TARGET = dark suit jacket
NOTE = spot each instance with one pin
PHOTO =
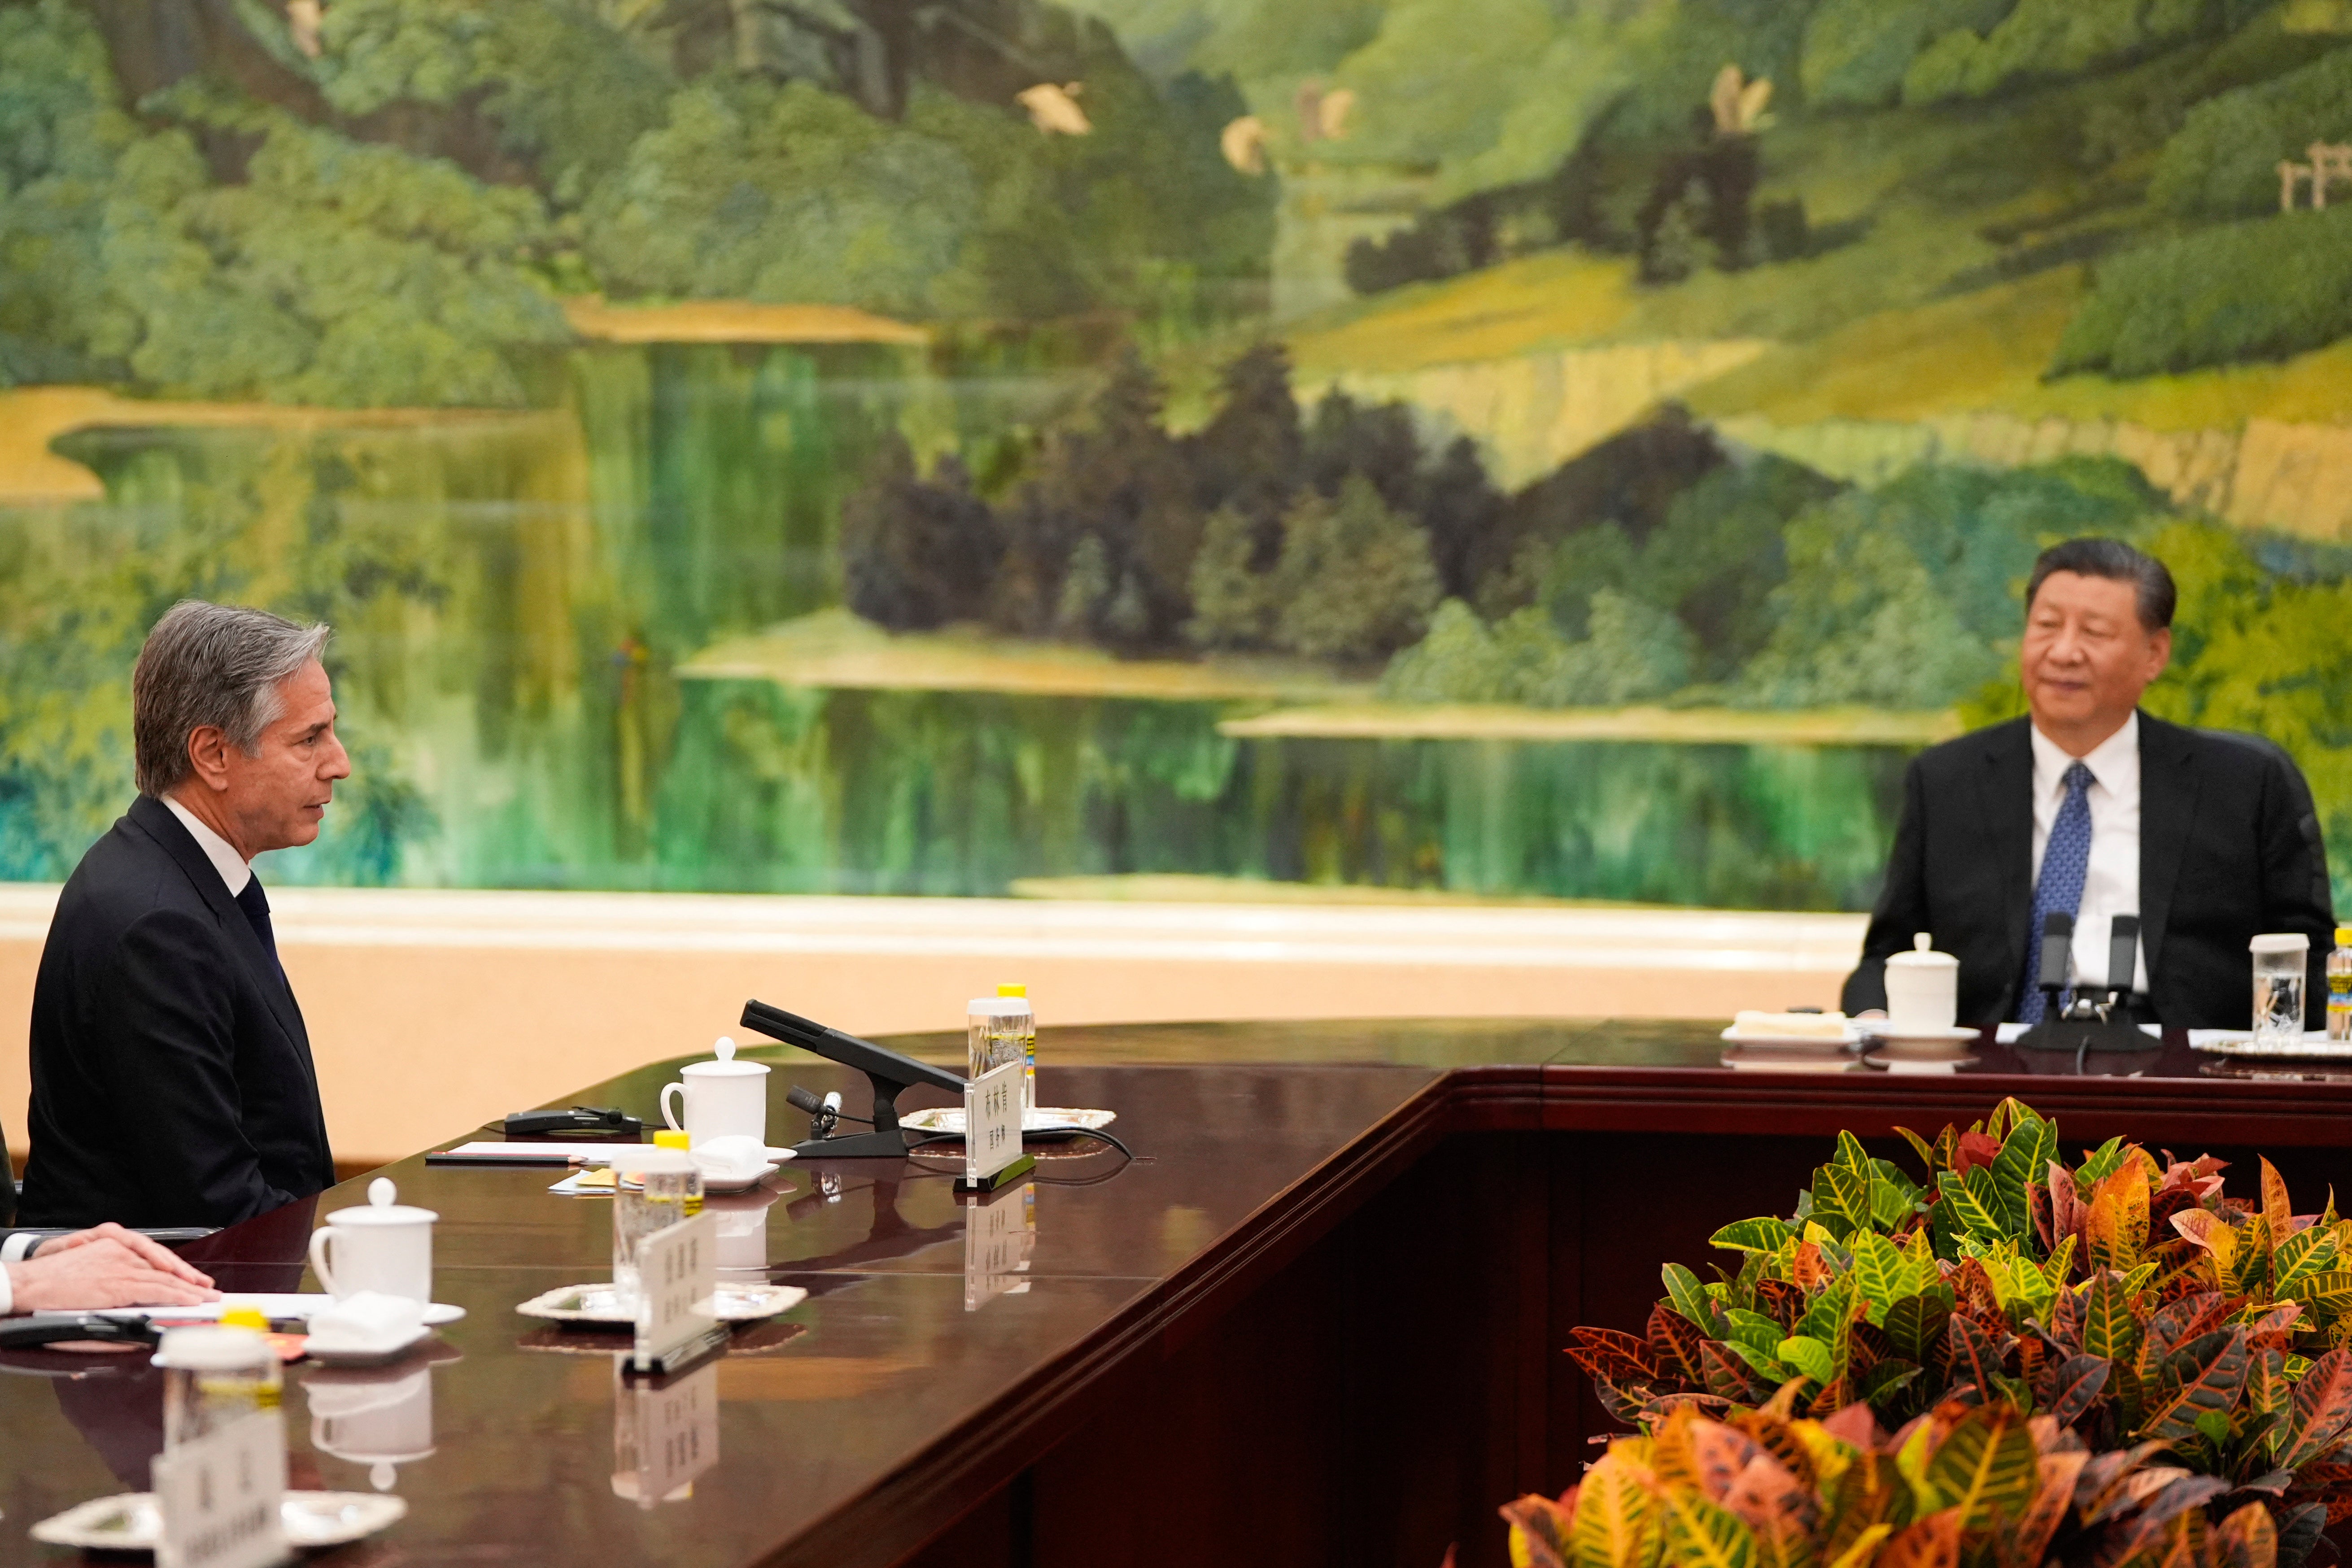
(172, 1076)
(2229, 847)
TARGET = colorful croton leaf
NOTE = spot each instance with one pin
(2125, 1303)
(1985, 1485)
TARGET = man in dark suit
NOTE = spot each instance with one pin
(2091, 807)
(171, 1074)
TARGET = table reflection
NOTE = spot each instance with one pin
(665, 1432)
(380, 1416)
(999, 1237)
(743, 1232)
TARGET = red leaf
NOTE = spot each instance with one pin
(1674, 1344)
(2319, 1411)
(1612, 1354)
(2075, 1384)
(1975, 1149)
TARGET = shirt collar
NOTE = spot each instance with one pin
(233, 869)
(2111, 762)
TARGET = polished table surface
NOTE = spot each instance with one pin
(913, 1382)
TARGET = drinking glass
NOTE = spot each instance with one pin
(2281, 967)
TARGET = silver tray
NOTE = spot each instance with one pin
(2315, 1046)
(597, 1305)
(132, 1522)
(1038, 1122)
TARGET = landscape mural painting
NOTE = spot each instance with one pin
(1549, 449)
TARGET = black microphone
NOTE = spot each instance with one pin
(2057, 968)
(801, 1099)
(2123, 954)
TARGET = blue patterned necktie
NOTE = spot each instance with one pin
(2066, 861)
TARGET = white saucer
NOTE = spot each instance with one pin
(132, 1522)
(739, 1184)
(441, 1313)
(333, 1353)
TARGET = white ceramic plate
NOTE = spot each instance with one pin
(597, 1304)
(330, 1353)
(1733, 1036)
(131, 1522)
(738, 1184)
(1043, 1120)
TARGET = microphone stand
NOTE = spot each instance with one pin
(2087, 1023)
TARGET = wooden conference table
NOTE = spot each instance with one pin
(1317, 1321)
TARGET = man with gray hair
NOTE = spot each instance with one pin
(172, 1076)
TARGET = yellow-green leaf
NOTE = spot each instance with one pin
(1808, 1356)
(1986, 1467)
(1701, 1535)
(1616, 1519)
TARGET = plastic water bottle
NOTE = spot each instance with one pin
(670, 1192)
(2339, 986)
(212, 1376)
(1015, 1017)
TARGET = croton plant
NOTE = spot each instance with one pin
(2013, 1361)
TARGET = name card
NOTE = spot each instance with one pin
(677, 1284)
(992, 1121)
(220, 1497)
(664, 1434)
(999, 1237)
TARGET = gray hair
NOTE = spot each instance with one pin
(216, 664)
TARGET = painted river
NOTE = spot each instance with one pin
(513, 594)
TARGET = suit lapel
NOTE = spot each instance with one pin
(154, 819)
(2008, 805)
(2168, 804)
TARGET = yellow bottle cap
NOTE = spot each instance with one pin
(671, 1138)
(2344, 937)
(1012, 990)
(244, 1316)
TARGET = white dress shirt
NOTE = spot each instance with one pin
(12, 1251)
(2111, 884)
(237, 871)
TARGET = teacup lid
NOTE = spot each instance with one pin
(1923, 955)
(2280, 942)
(725, 1066)
(382, 1208)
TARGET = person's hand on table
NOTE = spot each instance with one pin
(105, 1267)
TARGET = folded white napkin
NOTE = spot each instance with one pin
(734, 1158)
(368, 1320)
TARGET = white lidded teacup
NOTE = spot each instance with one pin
(723, 1098)
(382, 1246)
(1922, 989)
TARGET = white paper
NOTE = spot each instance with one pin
(991, 1118)
(677, 1277)
(601, 1154)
